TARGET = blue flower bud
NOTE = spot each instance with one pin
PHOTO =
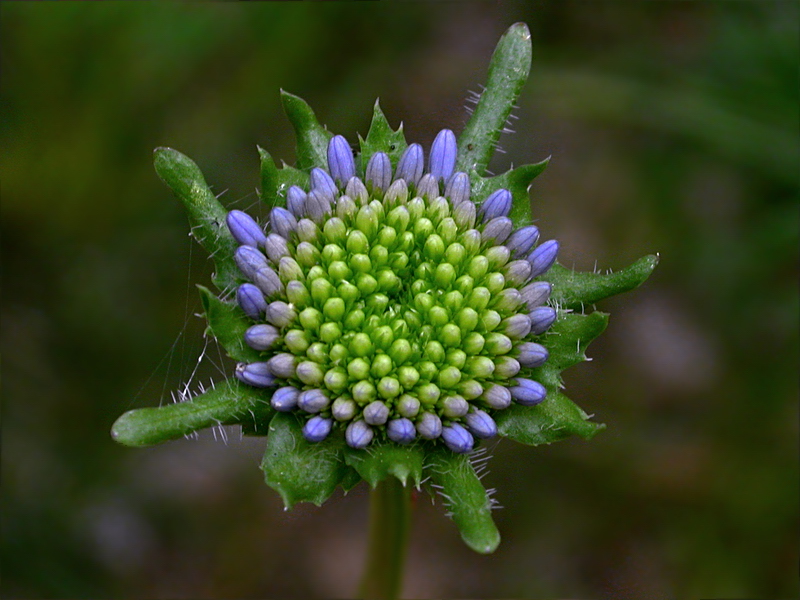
(543, 258)
(497, 230)
(497, 396)
(528, 392)
(317, 429)
(442, 159)
(280, 314)
(261, 337)
(397, 193)
(498, 204)
(532, 354)
(428, 187)
(249, 260)
(255, 374)
(376, 413)
(457, 438)
(410, 165)
(251, 300)
(401, 431)
(536, 293)
(429, 426)
(313, 401)
(522, 240)
(267, 280)
(282, 221)
(285, 399)
(296, 201)
(323, 184)
(276, 247)
(379, 171)
(358, 435)
(282, 365)
(340, 160)
(458, 188)
(464, 214)
(244, 229)
(481, 424)
(541, 319)
(317, 205)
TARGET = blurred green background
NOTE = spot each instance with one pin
(673, 128)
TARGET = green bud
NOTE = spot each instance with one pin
(490, 319)
(348, 292)
(423, 302)
(479, 298)
(438, 209)
(423, 229)
(361, 345)
(471, 239)
(378, 303)
(454, 407)
(379, 256)
(389, 387)
(416, 208)
(307, 230)
(419, 286)
(434, 351)
(448, 230)
(408, 406)
(363, 392)
(480, 367)
(310, 373)
(405, 242)
(316, 272)
(356, 190)
(456, 358)
(455, 254)
(445, 275)
(408, 377)
(470, 389)
(336, 380)
(289, 270)
(400, 351)
(399, 327)
(383, 337)
(438, 316)
(424, 272)
(498, 256)
(495, 282)
(474, 343)
(381, 366)
(311, 319)
(478, 267)
(361, 263)
(357, 242)
(335, 231)
(338, 353)
(317, 352)
(339, 271)
(358, 369)
(388, 281)
(307, 254)
(506, 367)
(367, 221)
(453, 301)
(366, 284)
(332, 252)
(434, 248)
(428, 394)
(321, 290)
(296, 340)
(427, 370)
(330, 332)
(354, 320)
(508, 300)
(398, 218)
(387, 237)
(497, 343)
(467, 319)
(450, 335)
(413, 319)
(343, 409)
(465, 284)
(448, 377)
(297, 293)
(397, 193)
(345, 208)
(378, 210)
(398, 260)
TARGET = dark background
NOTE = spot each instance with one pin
(673, 128)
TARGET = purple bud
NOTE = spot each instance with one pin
(517, 326)
(285, 399)
(464, 214)
(536, 294)
(244, 229)
(249, 260)
(282, 365)
(379, 171)
(267, 281)
(355, 190)
(255, 374)
(317, 428)
(532, 355)
(541, 319)
(251, 300)
(429, 426)
(282, 221)
(358, 435)
(376, 413)
(410, 165)
(261, 336)
(323, 184)
(543, 257)
(401, 431)
(317, 205)
(313, 401)
(497, 396)
(497, 230)
(280, 314)
(296, 201)
(481, 424)
(498, 204)
(522, 240)
(340, 160)
(518, 271)
(276, 247)
(528, 392)
(457, 438)
(428, 188)
(442, 160)
(458, 188)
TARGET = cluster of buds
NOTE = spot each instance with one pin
(391, 305)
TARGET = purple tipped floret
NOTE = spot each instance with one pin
(296, 201)
(285, 399)
(497, 230)
(379, 171)
(528, 392)
(517, 326)
(276, 247)
(429, 426)
(536, 293)
(244, 229)
(481, 424)
(251, 300)
(317, 428)
(318, 204)
(458, 188)
(497, 396)
(543, 257)
(255, 374)
(282, 221)
(340, 160)
(401, 431)
(498, 204)
(532, 355)
(358, 435)
(249, 259)
(410, 165)
(376, 413)
(457, 438)
(280, 314)
(267, 280)
(542, 318)
(323, 184)
(522, 240)
(261, 337)
(282, 365)
(313, 401)
(442, 160)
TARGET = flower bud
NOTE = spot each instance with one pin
(317, 429)
(255, 374)
(429, 426)
(448, 377)
(296, 341)
(297, 294)
(276, 247)
(379, 171)
(397, 193)
(532, 355)
(282, 365)
(454, 407)
(497, 344)
(335, 231)
(457, 438)
(261, 337)
(251, 301)
(343, 409)
(282, 221)
(480, 367)
(280, 314)
(536, 293)
(358, 369)
(310, 373)
(285, 399)
(312, 401)
(522, 240)
(296, 201)
(336, 380)
(367, 221)
(517, 272)
(363, 392)
(470, 389)
(428, 188)
(506, 367)
(249, 260)
(481, 424)
(516, 326)
(497, 397)
(289, 270)
(401, 431)
(346, 206)
(307, 230)
(508, 300)
(474, 343)
(442, 159)
(498, 204)
(318, 205)
(376, 413)
(465, 214)
(471, 239)
(381, 365)
(541, 319)
(458, 188)
(341, 164)
(497, 230)
(408, 376)
(323, 185)
(543, 257)
(489, 321)
(410, 165)
(528, 392)
(428, 393)
(268, 281)
(310, 319)
(244, 229)
(408, 406)
(358, 435)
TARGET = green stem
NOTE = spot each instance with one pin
(390, 508)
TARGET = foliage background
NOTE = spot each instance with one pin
(673, 127)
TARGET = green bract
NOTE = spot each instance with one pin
(386, 304)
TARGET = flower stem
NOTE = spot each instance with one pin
(390, 508)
